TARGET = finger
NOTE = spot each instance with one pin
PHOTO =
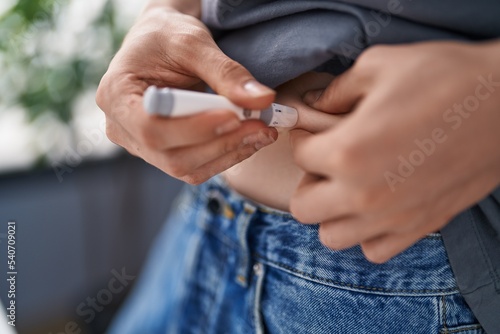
(308, 81)
(362, 226)
(219, 165)
(383, 248)
(191, 130)
(312, 96)
(166, 133)
(188, 159)
(121, 137)
(312, 153)
(341, 95)
(231, 79)
(318, 199)
(312, 120)
(349, 231)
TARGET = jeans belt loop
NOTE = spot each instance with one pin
(243, 223)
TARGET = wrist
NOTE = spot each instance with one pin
(189, 7)
(161, 16)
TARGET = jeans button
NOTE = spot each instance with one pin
(257, 269)
(214, 205)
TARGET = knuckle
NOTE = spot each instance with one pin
(176, 168)
(371, 57)
(373, 52)
(188, 37)
(101, 93)
(373, 255)
(330, 93)
(326, 238)
(333, 237)
(181, 40)
(195, 179)
(244, 154)
(229, 146)
(228, 67)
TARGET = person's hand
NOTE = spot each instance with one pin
(420, 146)
(168, 48)
(270, 176)
(309, 119)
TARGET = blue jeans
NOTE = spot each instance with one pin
(224, 264)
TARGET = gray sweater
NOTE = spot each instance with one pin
(279, 40)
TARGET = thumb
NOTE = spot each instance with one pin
(230, 79)
(341, 96)
(312, 96)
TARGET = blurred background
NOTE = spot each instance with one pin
(85, 211)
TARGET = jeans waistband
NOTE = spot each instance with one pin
(275, 238)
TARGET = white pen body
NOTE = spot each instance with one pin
(171, 102)
(190, 103)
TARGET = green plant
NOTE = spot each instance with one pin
(47, 78)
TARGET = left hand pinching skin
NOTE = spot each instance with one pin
(420, 145)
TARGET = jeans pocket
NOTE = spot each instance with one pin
(294, 304)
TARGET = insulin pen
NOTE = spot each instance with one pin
(170, 102)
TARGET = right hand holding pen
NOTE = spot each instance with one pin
(170, 49)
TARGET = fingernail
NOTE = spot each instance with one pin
(227, 127)
(257, 89)
(259, 140)
(312, 96)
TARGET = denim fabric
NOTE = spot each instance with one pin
(224, 264)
